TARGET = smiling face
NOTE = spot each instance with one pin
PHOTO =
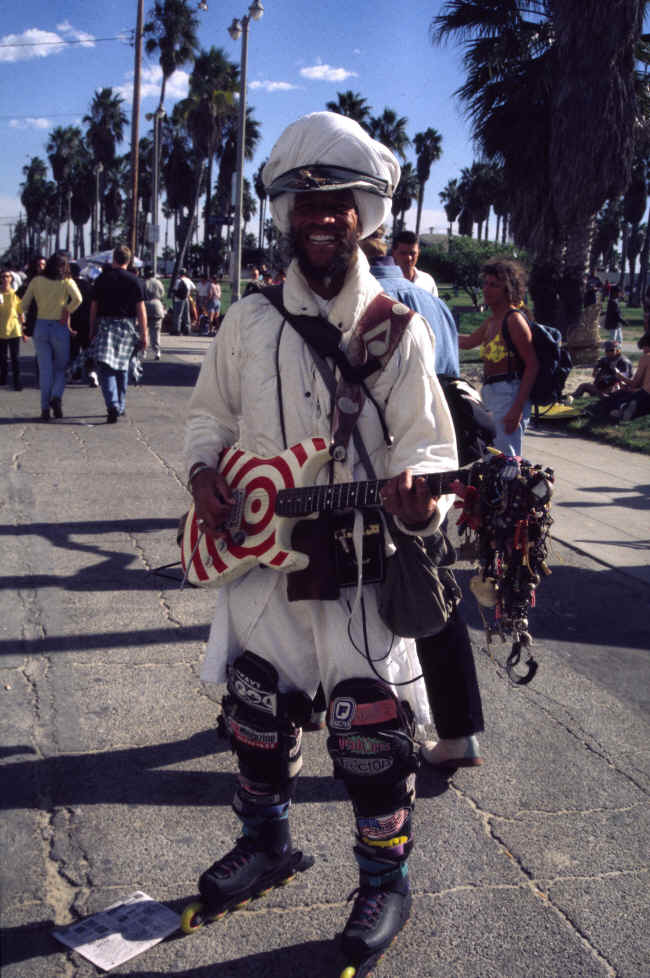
(325, 229)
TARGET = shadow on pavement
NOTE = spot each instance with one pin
(132, 776)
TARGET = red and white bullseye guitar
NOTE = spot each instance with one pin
(271, 496)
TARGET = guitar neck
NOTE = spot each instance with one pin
(304, 500)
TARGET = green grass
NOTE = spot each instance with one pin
(633, 435)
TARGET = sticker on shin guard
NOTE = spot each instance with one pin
(265, 738)
(371, 734)
(379, 827)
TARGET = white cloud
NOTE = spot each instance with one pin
(177, 86)
(273, 86)
(326, 73)
(35, 43)
(86, 40)
(30, 123)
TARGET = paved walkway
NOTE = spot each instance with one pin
(533, 866)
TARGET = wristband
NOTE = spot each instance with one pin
(194, 470)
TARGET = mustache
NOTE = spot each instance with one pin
(348, 243)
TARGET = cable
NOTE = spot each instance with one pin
(82, 40)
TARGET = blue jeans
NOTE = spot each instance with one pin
(113, 384)
(52, 342)
(498, 399)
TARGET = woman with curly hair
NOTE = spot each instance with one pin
(508, 371)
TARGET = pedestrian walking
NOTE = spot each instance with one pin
(57, 296)
(118, 329)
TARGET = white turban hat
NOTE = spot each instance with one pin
(328, 151)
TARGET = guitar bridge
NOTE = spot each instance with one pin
(234, 521)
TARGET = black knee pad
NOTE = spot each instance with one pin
(371, 745)
(264, 725)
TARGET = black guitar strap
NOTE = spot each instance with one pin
(323, 340)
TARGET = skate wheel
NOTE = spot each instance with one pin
(349, 972)
(192, 918)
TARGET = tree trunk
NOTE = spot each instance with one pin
(419, 211)
(574, 275)
(208, 209)
(643, 263)
(180, 252)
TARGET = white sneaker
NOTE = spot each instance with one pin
(93, 379)
(449, 754)
(157, 355)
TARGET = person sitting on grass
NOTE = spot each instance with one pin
(606, 373)
(633, 401)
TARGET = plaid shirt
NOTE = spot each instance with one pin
(115, 342)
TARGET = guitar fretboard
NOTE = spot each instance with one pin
(348, 495)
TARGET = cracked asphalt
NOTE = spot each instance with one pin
(533, 866)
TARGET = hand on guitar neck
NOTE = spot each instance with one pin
(409, 499)
(213, 501)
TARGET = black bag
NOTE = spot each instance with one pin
(418, 594)
(181, 291)
(554, 361)
(473, 423)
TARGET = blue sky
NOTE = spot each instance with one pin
(300, 55)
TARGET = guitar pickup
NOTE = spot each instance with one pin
(234, 521)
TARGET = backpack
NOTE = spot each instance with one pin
(181, 291)
(473, 423)
(554, 361)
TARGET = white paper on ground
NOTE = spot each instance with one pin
(122, 931)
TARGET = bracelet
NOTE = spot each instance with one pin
(194, 471)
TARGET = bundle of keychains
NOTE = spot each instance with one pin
(504, 524)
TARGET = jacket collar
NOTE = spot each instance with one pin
(359, 289)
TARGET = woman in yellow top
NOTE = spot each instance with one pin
(56, 295)
(10, 331)
(508, 376)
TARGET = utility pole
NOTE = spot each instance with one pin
(135, 128)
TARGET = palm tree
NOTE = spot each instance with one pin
(210, 103)
(390, 130)
(260, 190)
(452, 201)
(542, 61)
(228, 156)
(476, 192)
(105, 130)
(405, 193)
(352, 105)
(64, 149)
(588, 165)
(36, 195)
(213, 73)
(171, 31)
(428, 146)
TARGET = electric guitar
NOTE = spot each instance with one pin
(271, 495)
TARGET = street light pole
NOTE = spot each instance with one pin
(157, 119)
(135, 129)
(240, 28)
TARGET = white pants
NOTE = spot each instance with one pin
(310, 642)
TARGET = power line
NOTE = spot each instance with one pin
(82, 40)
